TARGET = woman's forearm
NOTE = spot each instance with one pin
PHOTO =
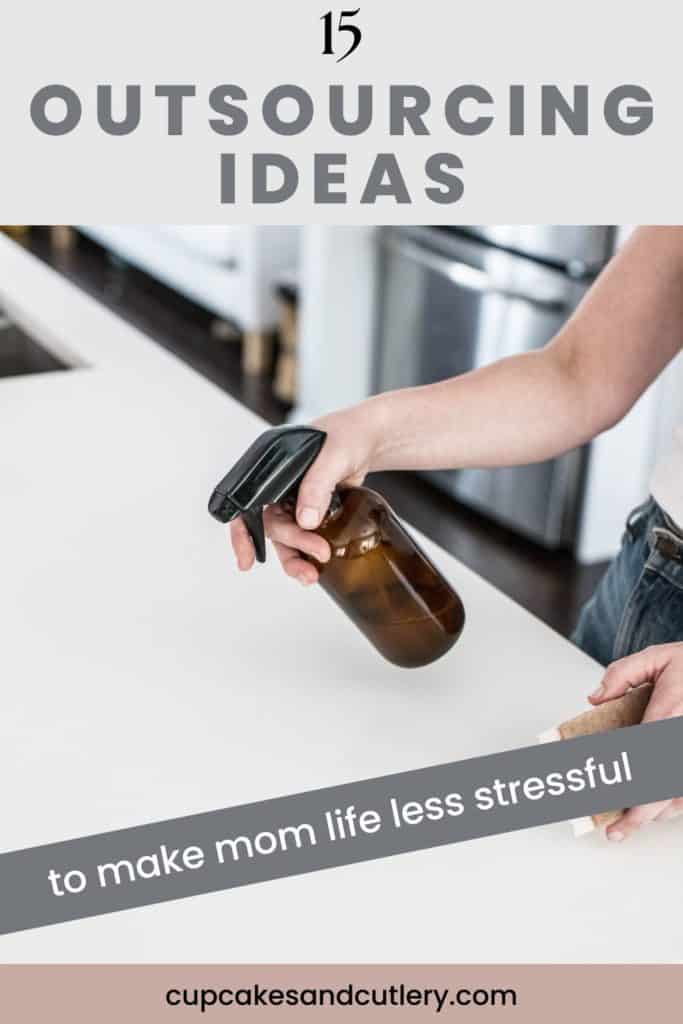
(534, 406)
(521, 409)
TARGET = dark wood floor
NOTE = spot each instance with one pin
(552, 585)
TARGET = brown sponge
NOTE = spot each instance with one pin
(615, 714)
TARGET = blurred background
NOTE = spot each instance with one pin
(294, 322)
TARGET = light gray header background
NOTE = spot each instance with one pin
(147, 176)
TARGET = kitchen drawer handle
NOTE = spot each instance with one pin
(470, 277)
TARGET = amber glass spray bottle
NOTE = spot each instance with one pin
(377, 573)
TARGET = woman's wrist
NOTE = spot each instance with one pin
(384, 420)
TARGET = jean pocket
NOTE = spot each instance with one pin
(666, 553)
(654, 612)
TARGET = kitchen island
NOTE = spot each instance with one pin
(144, 678)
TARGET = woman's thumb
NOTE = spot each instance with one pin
(315, 490)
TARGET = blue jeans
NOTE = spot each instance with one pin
(639, 601)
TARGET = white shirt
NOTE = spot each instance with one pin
(667, 480)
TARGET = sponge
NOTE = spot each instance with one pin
(615, 714)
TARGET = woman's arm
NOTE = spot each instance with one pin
(522, 409)
(534, 406)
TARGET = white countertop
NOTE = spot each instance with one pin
(143, 679)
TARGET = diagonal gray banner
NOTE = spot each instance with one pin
(339, 825)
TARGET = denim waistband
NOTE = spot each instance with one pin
(662, 533)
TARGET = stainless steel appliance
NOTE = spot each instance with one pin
(450, 302)
(580, 250)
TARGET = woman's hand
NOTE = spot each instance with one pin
(663, 666)
(353, 436)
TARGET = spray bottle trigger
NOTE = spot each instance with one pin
(253, 520)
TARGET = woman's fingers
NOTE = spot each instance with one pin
(674, 809)
(315, 490)
(634, 819)
(296, 566)
(631, 671)
(290, 542)
(666, 700)
(284, 531)
(242, 545)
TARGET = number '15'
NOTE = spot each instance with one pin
(355, 32)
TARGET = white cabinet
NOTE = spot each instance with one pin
(229, 270)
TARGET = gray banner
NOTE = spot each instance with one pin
(310, 831)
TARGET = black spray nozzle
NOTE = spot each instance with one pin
(270, 470)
